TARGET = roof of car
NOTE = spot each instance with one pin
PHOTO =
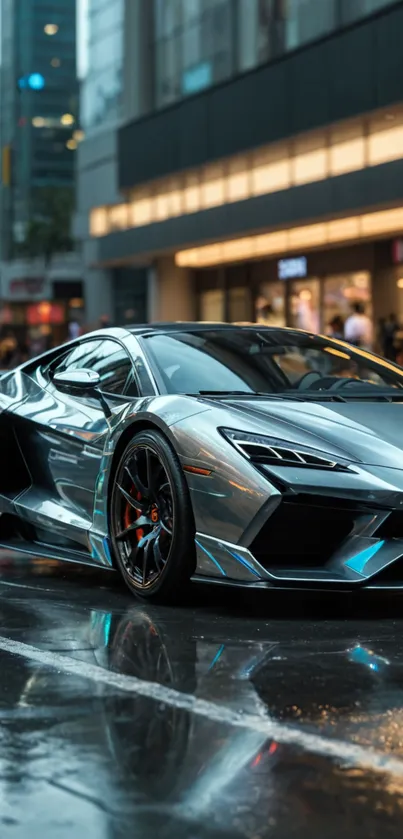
(185, 326)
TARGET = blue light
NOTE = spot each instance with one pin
(36, 81)
(244, 562)
(217, 656)
(210, 556)
(358, 562)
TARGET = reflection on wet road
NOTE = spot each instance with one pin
(234, 717)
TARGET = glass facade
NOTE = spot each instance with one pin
(39, 111)
(194, 46)
(199, 43)
(103, 83)
(252, 292)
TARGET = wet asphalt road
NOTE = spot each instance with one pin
(234, 717)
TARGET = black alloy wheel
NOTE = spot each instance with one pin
(152, 525)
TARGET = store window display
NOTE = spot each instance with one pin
(342, 292)
(270, 307)
(305, 305)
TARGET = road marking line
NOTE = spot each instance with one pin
(339, 750)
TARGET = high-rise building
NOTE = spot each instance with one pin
(107, 92)
(40, 132)
(256, 160)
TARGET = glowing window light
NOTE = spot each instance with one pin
(317, 235)
(340, 230)
(162, 207)
(119, 217)
(238, 186)
(309, 167)
(212, 189)
(348, 156)
(191, 193)
(311, 235)
(141, 212)
(386, 221)
(271, 177)
(99, 221)
(385, 145)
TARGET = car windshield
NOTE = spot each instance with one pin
(268, 361)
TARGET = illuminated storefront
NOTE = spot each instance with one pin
(303, 291)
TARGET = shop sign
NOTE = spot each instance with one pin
(39, 314)
(397, 252)
(292, 269)
(26, 288)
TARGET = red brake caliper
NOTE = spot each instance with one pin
(129, 514)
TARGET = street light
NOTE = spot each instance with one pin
(51, 29)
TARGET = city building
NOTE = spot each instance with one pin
(257, 167)
(39, 132)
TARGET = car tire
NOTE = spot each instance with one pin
(151, 520)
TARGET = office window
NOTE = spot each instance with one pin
(306, 20)
(354, 9)
(102, 86)
(193, 46)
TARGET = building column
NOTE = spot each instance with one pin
(138, 70)
(171, 292)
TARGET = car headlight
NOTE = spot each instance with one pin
(271, 451)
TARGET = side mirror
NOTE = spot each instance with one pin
(77, 382)
(82, 383)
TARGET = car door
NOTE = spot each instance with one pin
(65, 438)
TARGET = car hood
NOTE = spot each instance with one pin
(370, 432)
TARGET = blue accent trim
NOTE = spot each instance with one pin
(210, 556)
(107, 628)
(358, 562)
(245, 563)
(217, 656)
(107, 551)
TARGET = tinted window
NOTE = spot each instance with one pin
(267, 361)
(105, 357)
(82, 356)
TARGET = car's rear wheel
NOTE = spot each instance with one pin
(151, 520)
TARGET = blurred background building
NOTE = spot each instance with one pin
(243, 159)
(41, 283)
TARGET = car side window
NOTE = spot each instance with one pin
(105, 357)
(114, 367)
(81, 356)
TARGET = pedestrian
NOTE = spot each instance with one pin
(390, 330)
(358, 328)
(336, 328)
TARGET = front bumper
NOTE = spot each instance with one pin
(344, 537)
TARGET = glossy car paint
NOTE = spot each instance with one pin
(71, 448)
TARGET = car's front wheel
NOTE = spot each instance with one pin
(151, 519)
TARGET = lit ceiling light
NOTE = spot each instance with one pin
(55, 62)
(71, 144)
(400, 283)
(79, 135)
(67, 119)
(38, 122)
(51, 29)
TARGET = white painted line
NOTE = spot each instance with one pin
(23, 585)
(338, 750)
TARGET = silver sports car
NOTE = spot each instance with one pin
(241, 455)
